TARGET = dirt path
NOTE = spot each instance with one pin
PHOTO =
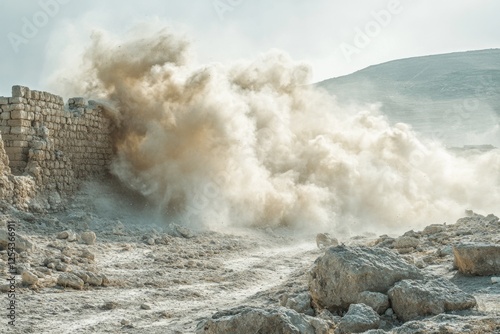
(181, 284)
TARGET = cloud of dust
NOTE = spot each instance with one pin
(252, 144)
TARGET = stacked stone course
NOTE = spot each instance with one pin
(58, 145)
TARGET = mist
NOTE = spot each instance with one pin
(252, 144)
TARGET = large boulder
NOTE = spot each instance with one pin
(243, 320)
(477, 258)
(415, 299)
(339, 276)
(358, 319)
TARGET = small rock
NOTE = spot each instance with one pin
(145, 307)
(67, 235)
(72, 236)
(89, 277)
(125, 323)
(150, 241)
(61, 267)
(495, 280)
(376, 300)
(406, 242)
(389, 312)
(63, 235)
(29, 278)
(300, 303)
(184, 231)
(324, 240)
(434, 229)
(445, 251)
(88, 237)
(109, 306)
(327, 315)
(71, 280)
(119, 228)
(359, 318)
(87, 255)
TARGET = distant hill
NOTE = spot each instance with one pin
(454, 97)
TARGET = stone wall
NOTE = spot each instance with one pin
(57, 145)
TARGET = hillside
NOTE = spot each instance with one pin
(453, 97)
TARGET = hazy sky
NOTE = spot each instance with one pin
(335, 37)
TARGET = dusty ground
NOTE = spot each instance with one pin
(165, 279)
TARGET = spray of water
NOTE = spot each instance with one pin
(252, 144)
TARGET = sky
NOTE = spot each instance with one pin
(335, 37)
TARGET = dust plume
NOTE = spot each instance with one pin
(252, 144)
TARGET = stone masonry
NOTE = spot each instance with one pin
(57, 145)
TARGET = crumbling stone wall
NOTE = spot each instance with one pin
(57, 145)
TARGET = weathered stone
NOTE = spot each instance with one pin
(20, 91)
(246, 320)
(145, 306)
(434, 229)
(406, 242)
(343, 273)
(449, 323)
(110, 306)
(379, 302)
(87, 255)
(477, 258)
(70, 280)
(63, 235)
(88, 237)
(29, 278)
(412, 299)
(300, 303)
(359, 318)
(21, 243)
(324, 240)
(89, 277)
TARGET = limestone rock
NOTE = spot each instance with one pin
(300, 303)
(412, 299)
(145, 306)
(88, 237)
(449, 323)
(68, 235)
(406, 242)
(358, 319)
(246, 320)
(71, 280)
(477, 258)
(343, 273)
(324, 240)
(29, 278)
(89, 277)
(379, 302)
(21, 244)
(434, 229)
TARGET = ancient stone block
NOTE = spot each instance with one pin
(19, 122)
(20, 91)
(19, 114)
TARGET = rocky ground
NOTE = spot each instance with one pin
(95, 267)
